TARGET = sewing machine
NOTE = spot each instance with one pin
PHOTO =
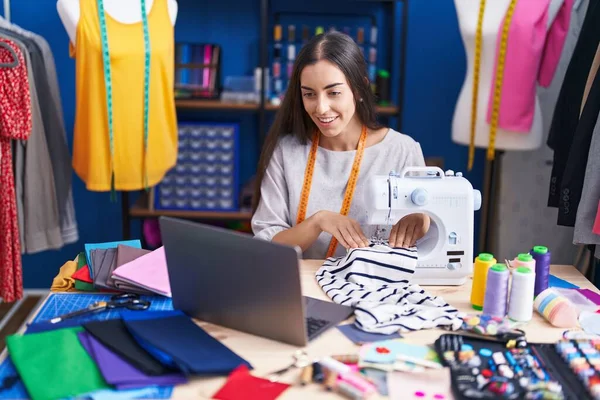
(446, 251)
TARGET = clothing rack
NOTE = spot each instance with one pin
(7, 10)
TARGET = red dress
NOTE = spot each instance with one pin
(15, 123)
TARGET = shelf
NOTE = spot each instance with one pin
(141, 210)
(213, 105)
(219, 105)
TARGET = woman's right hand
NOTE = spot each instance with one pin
(346, 230)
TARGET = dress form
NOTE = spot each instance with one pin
(126, 12)
(495, 11)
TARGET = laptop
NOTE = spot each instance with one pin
(237, 281)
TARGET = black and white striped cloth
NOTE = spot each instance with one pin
(375, 281)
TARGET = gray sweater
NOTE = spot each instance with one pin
(282, 184)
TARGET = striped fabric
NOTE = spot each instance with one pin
(375, 281)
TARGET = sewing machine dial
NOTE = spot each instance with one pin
(419, 197)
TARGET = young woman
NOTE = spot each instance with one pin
(321, 150)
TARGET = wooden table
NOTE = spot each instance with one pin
(267, 355)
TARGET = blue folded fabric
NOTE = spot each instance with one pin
(45, 326)
(193, 350)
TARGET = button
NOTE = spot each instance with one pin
(449, 173)
(453, 265)
(459, 174)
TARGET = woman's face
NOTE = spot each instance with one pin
(327, 98)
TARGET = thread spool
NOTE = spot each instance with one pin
(542, 257)
(556, 309)
(496, 291)
(520, 306)
(349, 391)
(524, 260)
(483, 262)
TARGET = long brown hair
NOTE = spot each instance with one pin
(291, 118)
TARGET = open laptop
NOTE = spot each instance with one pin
(234, 280)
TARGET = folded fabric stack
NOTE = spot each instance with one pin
(129, 357)
(115, 267)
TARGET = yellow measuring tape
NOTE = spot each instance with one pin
(497, 82)
(308, 174)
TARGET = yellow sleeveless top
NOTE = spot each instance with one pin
(91, 151)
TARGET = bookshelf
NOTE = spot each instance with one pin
(219, 105)
(142, 208)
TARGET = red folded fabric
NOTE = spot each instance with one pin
(83, 274)
(242, 385)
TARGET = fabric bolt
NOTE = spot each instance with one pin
(15, 123)
(114, 335)
(548, 95)
(242, 385)
(106, 245)
(566, 117)
(56, 138)
(54, 365)
(108, 264)
(375, 281)
(148, 272)
(177, 335)
(64, 282)
(81, 264)
(118, 372)
(282, 185)
(164, 358)
(98, 256)
(125, 254)
(83, 275)
(91, 150)
(532, 55)
(41, 220)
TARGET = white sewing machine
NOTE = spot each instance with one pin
(446, 251)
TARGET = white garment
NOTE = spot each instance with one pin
(375, 281)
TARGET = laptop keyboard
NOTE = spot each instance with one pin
(314, 324)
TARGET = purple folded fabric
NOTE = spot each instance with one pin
(120, 373)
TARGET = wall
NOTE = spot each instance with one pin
(435, 70)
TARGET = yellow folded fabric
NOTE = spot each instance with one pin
(63, 282)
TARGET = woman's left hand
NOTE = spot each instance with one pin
(409, 229)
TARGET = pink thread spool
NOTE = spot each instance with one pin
(524, 260)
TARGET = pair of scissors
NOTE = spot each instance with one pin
(131, 301)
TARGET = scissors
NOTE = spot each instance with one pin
(131, 301)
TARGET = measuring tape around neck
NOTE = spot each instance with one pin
(108, 84)
(497, 83)
(308, 174)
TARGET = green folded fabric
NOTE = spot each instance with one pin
(79, 285)
(54, 364)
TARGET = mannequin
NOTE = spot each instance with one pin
(495, 11)
(126, 12)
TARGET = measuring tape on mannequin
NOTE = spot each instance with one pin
(497, 82)
(308, 174)
(108, 84)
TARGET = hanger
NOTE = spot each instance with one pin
(14, 54)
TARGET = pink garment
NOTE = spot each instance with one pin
(532, 56)
(596, 228)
